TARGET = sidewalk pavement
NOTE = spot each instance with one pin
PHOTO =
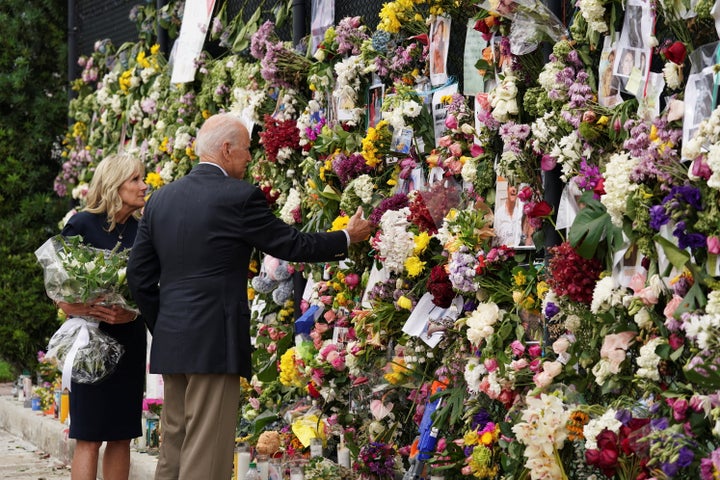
(50, 436)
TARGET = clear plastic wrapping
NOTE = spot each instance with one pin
(83, 352)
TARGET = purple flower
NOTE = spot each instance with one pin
(260, 40)
(658, 217)
(659, 423)
(396, 202)
(551, 310)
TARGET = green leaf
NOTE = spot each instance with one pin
(591, 226)
(678, 258)
(265, 418)
(694, 300)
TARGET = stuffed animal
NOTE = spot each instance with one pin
(276, 277)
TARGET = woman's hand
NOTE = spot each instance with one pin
(113, 314)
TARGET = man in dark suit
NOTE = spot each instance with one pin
(188, 273)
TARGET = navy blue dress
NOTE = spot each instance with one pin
(112, 408)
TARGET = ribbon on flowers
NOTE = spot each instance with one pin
(82, 338)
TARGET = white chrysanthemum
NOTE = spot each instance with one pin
(607, 294)
(596, 425)
(547, 78)
(713, 161)
(713, 303)
(396, 242)
(167, 171)
(395, 118)
(182, 140)
(291, 204)
(648, 360)
(135, 112)
(364, 187)
(116, 105)
(618, 186)
(672, 72)
(568, 152)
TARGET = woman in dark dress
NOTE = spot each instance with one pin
(109, 411)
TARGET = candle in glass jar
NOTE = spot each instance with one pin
(343, 454)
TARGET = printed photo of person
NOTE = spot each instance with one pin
(439, 42)
(374, 105)
(609, 85)
(633, 23)
(508, 221)
(626, 63)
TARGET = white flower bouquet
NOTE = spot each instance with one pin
(78, 273)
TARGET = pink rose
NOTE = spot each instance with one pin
(614, 347)
(547, 163)
(271, 348)
(561, 345)
(713, 245)
(445, 141)
(637, 282)
(330, 316)
(535, 365)
(456, 150)
(671, 306)
(451, 121)
(535, 351)
(352, 280)
(476, 150)
(490, 364)
(517, 348)
(518, 365)
(680, 407)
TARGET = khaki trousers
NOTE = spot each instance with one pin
(198, 418)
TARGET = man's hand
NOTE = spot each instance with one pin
(358, 228)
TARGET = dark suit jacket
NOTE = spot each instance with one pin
(188, 268)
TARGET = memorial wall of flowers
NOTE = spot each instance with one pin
(455, 343)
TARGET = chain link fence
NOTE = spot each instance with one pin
(100, 19)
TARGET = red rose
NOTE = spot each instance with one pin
(481, 26)
(314, 393)
(676, 53)
(540, 210)
(599, 189)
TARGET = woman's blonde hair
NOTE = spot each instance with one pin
(104, 192)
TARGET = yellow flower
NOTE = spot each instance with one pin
(154, 180)
(520, 278)
(446, 99)
(288, 374)
(141, 60)
(253, 267)
(251, 294)
(341, 299)
(653, 133)
(124, 81)
(422, 240)
(163, 145)
(155, 49)
(542, 288)
(206, 113)
(470, 438)
(339, 223)
(517, 296)
(487, 439)
(190, 152)
(414, 266)
(404, 302)
(603, 120)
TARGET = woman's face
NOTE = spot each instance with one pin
(132, 192)
(627, 63)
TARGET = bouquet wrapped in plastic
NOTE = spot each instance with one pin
(78, 273)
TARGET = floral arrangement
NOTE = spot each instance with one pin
(588, 357)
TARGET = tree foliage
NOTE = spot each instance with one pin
(33, 114)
